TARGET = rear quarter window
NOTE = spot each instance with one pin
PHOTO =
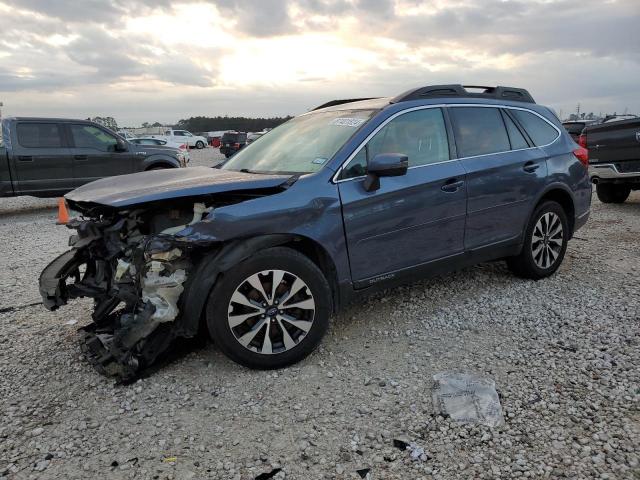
(574, 128)
(39, 135)
(540, 131)
(230, 137)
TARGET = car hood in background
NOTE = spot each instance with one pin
(137, 188)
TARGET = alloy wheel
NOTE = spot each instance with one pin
(271, 312)
(547, 240)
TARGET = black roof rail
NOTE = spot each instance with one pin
(435, 91)
(333, 103)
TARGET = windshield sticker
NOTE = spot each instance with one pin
(319, 160)
(347, 122)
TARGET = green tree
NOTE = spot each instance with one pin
(241, 124)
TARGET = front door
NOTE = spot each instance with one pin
(41, 159)
(95, 155)
(410, 220)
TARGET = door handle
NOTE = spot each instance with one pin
(81, 157)
(25, 158)
(530, 167)
(452, 185)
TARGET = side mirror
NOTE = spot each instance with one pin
(385, 165)
(121, 145)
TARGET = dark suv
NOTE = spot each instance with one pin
(231, 142)
(344, 200)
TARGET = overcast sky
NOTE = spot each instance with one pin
(163, 60)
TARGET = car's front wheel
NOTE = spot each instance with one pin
(271, 310)
(612, 193)
(545, 243)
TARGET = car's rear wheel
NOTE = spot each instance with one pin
(271, 310)
(545, 243)
(199, 145)
(612, 193)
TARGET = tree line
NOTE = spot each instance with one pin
(241, 124)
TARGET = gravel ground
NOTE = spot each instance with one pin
(564, 353)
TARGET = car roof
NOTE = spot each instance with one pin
(49, 119)
(438, 94)
(382, 103)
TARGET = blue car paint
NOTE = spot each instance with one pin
(409, 227)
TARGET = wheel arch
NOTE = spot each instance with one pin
(157, 161)
(215, 262)
(560, 194)
(159, 164)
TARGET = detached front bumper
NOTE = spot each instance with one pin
(53, 279)
(136, 289)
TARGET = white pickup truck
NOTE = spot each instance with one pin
(185, 137)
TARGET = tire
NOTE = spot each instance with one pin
(612, 193)
(199, 145)
(541, 258)
(231, 322)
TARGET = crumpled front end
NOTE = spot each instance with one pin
(135, 269)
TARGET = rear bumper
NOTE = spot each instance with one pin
(609, 171)
(580, 220)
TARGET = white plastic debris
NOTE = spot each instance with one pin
(467, 398)
(121, 269)
(163, 291)
(417, 452)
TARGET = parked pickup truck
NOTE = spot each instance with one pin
(48, 157)
(188, 138)
(614, 158)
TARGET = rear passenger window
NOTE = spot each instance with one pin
(539, 130)
(39, 135)
(479, 131)
(515, 136)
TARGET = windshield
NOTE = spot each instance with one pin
(301, 145)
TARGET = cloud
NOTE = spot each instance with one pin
(173, 58)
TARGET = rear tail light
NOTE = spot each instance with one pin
(183, 147)
(582, 140)
(236, 145)
(582, 154)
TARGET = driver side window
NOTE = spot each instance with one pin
(421, 135)
(88, 136)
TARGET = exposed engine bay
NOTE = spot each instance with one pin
(136, 269)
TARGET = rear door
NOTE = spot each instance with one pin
(504, 173)
(410, 220)
(94, 154)
(41, 159)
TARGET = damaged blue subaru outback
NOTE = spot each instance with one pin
(351, 197)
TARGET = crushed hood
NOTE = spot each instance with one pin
(128, 190)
